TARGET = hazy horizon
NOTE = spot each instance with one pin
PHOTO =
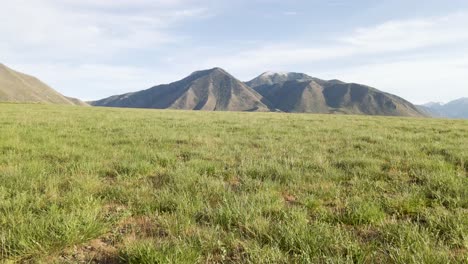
(94, 49)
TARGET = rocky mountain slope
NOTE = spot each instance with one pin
(305, 94)
(217, 90)
(211, 90)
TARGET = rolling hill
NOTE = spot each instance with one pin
(210, 90)
(20, 87)
(304, 94)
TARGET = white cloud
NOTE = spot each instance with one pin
(386, 38)
(37, 36)
(73, 29)
(378, 56)
(66, 43)
(411, 34)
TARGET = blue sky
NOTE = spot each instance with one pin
(92, 49)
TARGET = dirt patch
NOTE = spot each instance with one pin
(459, 252)
(160, 180)
(228, 254)
(368, 235)
(290, 199)
(95, 251)
(234, 184)
(143, 227)
(114, 208)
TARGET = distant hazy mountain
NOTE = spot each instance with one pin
(212, 90)
(454, 109)
(19, 87)
(304, 94)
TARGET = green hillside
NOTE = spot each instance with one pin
(107, 185)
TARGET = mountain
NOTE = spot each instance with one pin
(20, 87)
(454, 109)
(211, 90)
(217, 90)
(306, 94)
(270, 78)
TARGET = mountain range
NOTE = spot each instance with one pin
(217, 90)
(453, 109)
(20, 87)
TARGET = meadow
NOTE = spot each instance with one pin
(104, 185)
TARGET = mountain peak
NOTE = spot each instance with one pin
(212, 90)
(318, 96)
(216, 70)
(270, 73)
(212, 70)
(269, 78)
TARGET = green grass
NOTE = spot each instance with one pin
(146, 186)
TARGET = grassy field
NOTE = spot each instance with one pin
(84, 185)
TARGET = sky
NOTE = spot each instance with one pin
(91, 49)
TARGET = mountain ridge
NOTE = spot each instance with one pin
(217, 90)
(211, 90)
(312, 96)
(269, 78)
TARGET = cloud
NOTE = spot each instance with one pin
(123, 3)
(411, 34)
(75, 46)
(71, 44)
(414, 58)
(383, 39)
(73, 29)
